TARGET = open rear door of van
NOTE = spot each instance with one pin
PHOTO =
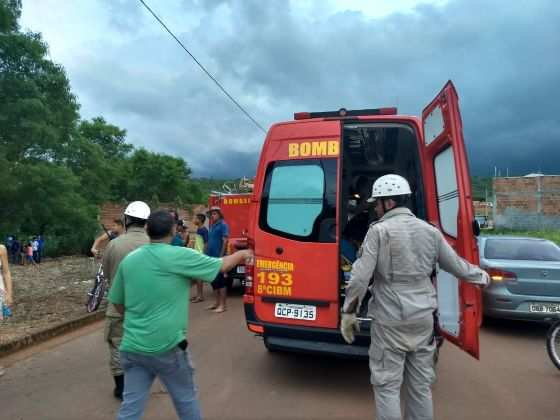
(448, 191)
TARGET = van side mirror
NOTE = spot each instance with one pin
(475, 227)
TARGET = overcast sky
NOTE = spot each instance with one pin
(277, 57)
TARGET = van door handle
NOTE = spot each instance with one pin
(279, 250)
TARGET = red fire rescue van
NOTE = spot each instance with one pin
(308, 217)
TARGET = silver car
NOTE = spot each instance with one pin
(525, 277)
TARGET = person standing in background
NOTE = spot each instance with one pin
(200, 245)
(41, 241)
(107, 236)
(6, 290)
(35, 247)
(217, 244)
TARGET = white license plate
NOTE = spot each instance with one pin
(293, 311)
(545, 308)
(241, 269)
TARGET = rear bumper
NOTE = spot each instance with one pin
(308, 346)
(311, 340)
(500, 303)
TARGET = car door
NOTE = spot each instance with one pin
(448, 190)
(296, 238)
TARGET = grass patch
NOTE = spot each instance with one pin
(552, 235)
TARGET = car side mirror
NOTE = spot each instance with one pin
(475, 228)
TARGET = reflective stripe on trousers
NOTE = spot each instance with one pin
(403, 355)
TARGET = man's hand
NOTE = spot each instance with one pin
(484, 280)
(239, 257)
(348, 325)
(248, 254)
(94, 251)
(9, 300)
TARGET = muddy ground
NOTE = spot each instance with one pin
(53, 292)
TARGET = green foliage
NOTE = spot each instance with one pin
(55, 169)
(110, 138)
(38, 111)
(481, 188)
(10, 11)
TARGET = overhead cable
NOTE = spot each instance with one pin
(202, 67)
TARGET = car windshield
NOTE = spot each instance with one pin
(521, 249)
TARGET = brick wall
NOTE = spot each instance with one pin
(110, 211)
(482, 208)
(527, 202)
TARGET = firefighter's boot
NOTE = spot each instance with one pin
(119, 386)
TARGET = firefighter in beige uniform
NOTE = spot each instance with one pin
(401, 252)
(135, 216)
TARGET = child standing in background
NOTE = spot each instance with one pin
(200, 243)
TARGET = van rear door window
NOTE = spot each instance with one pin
(299, 200)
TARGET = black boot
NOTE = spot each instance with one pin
(119, 386)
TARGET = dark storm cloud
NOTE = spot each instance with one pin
(503, 57)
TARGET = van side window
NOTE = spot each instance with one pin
(299, 200)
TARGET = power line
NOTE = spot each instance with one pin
(202, 67)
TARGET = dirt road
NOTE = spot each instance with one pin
(238, 379)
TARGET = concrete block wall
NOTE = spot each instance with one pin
(531, 203)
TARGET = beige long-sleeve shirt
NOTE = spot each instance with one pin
(116, 251)
(401, 252)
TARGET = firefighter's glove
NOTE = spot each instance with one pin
(348, 325)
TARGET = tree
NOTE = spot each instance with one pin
(153, 174)
(10, 11)
(38, 112)
(55, 169)
(110, 138)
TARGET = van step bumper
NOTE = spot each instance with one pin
(307, 346)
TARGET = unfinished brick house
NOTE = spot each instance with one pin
(111, 211)
(530, 202)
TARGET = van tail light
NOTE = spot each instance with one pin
(249, 296)
(497, 275)
(388, 111)
(257, 329)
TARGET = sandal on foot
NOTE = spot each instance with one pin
(219, 310)
(211, 307)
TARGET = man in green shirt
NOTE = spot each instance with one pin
(152, 288)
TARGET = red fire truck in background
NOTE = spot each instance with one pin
(235, 208)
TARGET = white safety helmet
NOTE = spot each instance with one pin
(138, 209)
(389, 186)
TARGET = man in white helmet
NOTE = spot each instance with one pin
(135, 217)
(400, 252)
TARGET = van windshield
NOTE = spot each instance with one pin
(299, 200)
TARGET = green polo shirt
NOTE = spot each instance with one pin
(153, 283)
